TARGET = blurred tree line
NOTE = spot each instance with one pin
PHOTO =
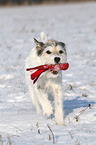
(19, 1)
(3, 2)
(25, 1)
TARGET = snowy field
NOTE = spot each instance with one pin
(74, 24)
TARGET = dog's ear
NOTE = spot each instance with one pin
(39, 46)
(62, 44)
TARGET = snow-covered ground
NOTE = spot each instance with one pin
(74, 24)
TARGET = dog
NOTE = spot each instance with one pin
(50, 82)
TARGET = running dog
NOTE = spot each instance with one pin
(50, 82)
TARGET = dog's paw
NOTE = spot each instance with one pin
(48, 111)
(61, 123)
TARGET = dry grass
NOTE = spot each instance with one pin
(8, 140)
(81, 112)
(1, 140)
(51, 133)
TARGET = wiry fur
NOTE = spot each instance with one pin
(49, 83)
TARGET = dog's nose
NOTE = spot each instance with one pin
(57, 59)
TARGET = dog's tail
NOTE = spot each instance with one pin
(43, 37)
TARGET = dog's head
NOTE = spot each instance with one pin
(51, 52)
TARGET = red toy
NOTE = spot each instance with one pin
(42, 68)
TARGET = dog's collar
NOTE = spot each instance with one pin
(42, 68)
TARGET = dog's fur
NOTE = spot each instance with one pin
(50, 83)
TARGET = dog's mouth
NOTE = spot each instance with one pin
(54, 72)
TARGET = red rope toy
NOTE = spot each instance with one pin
(42, 68)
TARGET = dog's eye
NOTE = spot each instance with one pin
(48, 52)
(60, 51)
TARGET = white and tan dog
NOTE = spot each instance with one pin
(50, 82)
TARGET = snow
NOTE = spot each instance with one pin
(74, 24)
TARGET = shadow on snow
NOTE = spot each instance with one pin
(69, 105)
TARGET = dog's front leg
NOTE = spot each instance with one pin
(45, 103)
(58, 96)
